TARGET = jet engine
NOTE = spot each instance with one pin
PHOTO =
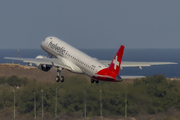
(43, 67)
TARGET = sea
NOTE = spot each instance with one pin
(136, 55)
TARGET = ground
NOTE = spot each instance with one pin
(31, 72)
(34, 73)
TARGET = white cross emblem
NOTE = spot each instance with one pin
(116, 63)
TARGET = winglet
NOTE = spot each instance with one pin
(116, 62)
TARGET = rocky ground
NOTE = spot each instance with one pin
(31, 72)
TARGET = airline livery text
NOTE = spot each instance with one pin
(60, 50)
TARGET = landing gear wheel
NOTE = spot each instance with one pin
(97, 81)
(92, 80)
(62, 78)
(57, 78)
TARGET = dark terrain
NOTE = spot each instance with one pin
(34, 73)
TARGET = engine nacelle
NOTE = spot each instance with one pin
(43, 67)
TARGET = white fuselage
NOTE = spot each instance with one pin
(79, 61)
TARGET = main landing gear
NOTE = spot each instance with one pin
(92, 81)
(59, 77)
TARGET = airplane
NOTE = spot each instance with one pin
(64, 56)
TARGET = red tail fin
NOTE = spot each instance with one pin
(116, 62)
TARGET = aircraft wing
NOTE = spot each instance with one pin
(136, 64)
(48, 61)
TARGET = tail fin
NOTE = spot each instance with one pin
(116, 62)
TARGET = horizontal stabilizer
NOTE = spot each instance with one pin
(132, 77)
(122, 77)
(105, 76)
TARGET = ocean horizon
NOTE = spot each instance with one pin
(139, 55)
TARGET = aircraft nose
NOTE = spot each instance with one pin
(43, 43)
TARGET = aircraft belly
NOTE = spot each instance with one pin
(87, 72)
(74, 67)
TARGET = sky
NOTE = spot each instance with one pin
(90, 24)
